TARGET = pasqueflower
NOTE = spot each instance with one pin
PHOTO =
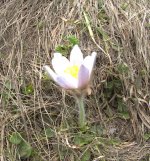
(74, 73)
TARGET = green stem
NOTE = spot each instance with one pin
(82, 119)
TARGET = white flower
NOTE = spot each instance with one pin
(73, 74)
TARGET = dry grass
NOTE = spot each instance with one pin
(119, 104)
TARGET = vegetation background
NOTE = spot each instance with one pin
(38, 120)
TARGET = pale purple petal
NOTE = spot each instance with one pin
(62, 82)
(83, 77)
(67, 82)
(76, 56)
(60, 63)
(89, 62)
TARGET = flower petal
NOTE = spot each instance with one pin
(62, 82)
(60, 63)
(76, 56)
(50, 72)
(83, 77)
(89, 62)
(67, 82)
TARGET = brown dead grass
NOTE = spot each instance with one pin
(30, 31)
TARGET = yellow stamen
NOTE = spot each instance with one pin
(72, 70)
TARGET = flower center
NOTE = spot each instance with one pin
(73, 71)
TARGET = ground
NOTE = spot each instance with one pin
(38, 118)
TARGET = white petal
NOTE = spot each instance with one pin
(50, 72)
(76, 56)
(60, 63)
(89, 62)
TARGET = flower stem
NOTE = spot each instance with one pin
(82, 118)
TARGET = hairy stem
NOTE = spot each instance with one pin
(82, 118)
